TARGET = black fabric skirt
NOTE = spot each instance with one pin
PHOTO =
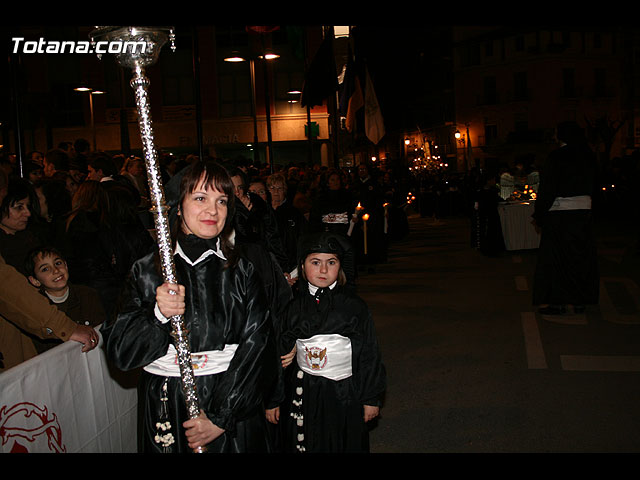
(323, 417)
(567, 269)
(250, 435)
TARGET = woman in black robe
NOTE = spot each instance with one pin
(226, 315)
(328, 411)
(567, 276)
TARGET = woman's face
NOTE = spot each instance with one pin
(333, 182)
(136, 168)
(259, 189)
(204, 212)
(35, 175)
(278, 193)
(17, 218)
(321, 269)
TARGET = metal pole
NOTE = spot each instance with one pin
(252, 72)
(137, 61)
(93, 125)
(196, 84)
(267, 105)
(15, 60)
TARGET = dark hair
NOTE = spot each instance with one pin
(30, 259)
(59, 158)
(212, 175)
(326, 242)
(81, 145)
(102, 161)
(90, 197)
(17, 189)
(342, 276)
(55, 191)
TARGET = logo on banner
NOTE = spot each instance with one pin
(28, 425)
(316, 357)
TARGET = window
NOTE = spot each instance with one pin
(600, 83)
(177, 78)
(568, 82)
(490, 92)
(235, 94)
(520, 86)
(488, 48)
(597, 40)
(490, 133)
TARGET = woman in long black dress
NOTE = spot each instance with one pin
(226, 315)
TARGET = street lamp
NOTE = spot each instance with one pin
(462, 141)
(268, 55)
(91, 92)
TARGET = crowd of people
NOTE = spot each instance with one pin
(267, 268)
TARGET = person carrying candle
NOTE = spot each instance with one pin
(226, 314)
(328, 338)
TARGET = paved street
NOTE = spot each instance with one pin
(472, 367)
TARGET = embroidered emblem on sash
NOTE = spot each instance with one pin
(316, 357)
(197, 360)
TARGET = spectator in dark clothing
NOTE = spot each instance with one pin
(55, 160)
(291, 222)
(88, 245)
(254, 221)
(17, 236)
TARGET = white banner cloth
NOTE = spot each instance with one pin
(64, 400)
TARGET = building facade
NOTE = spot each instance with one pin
(514, 85)
(199, 101)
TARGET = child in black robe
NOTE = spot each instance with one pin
(328, 339)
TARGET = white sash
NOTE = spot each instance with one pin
(325, 355)
(204, 363)
(335, 218)
(581, 202)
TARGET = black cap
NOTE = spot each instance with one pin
(329, 242)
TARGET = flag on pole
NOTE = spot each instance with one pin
(351, 96)
(373, 121)
(321, 79)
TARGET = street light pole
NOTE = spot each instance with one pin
(252, 71)
(91, 93)
(93, 125)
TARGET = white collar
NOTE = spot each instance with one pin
(61, 299)
(217, 252)
(313, 289)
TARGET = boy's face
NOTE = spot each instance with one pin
(51, 273)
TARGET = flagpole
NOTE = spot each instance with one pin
(331, 104)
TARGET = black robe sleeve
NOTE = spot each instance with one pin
(135, 337)
(251, 372)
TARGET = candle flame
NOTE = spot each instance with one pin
(365, 217)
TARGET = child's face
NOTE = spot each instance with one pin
(321, 269)
(51, 273)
